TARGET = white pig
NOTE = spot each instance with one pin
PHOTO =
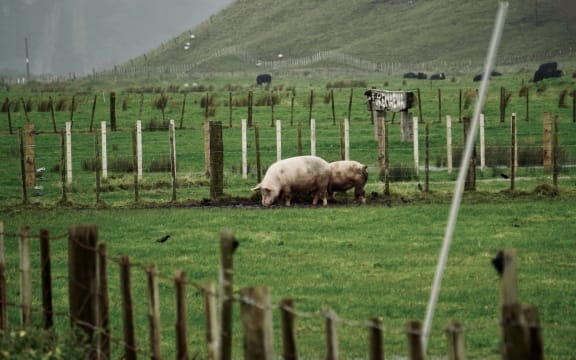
(299, 174)
(347, 174)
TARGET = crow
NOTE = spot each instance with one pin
(163, 238)
(498, 262)
(420, 187)
(388, 203)
(504, 176)
(404, 200)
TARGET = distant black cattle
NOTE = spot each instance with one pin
(440, 76)
(493, 73)
(411, 75)
(548, 70)
(263, 79)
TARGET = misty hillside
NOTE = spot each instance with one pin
(381, 31)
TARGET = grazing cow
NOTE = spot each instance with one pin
(346, 174)
(493, 73)
(547, 70)
(263, 79)
(411, 75)
(440, 76)
(302, 174)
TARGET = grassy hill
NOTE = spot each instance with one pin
(376, 31)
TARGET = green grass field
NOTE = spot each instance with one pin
(363, 261)
(368, 261)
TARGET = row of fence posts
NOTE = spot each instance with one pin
(89, 307)
(215, 148)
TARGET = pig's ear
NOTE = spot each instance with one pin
(257, 187)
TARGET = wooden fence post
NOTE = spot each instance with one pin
(127, 310)
(256, 315)
(82, 282)
(386, 158)
(311, 104)
(97, 167)
(216, 160)
(332, 350)
(30, 156)
(555, 153)
(257, 149)
(113, 111)
(547, 143)
(139, 148)
(350, 104)
(46, 273)
(513, 152)
(64, 198)
(103, 303)
(3, 313)
(426, 157)
(288, 335)
(135, 166)
(414, 333)
(212, 329)
(376, 351)
(180, 328)
(25, 277)
(184, 106)
(455, 341)
(23, 169)
(91, 114)
(227, 245)
(154, 311)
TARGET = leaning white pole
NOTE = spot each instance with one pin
(488, 66)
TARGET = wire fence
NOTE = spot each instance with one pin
(121, 325)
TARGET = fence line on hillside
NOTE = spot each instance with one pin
(389, 66)
(550, 148)
(89, 308)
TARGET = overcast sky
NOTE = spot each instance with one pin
(66, 36)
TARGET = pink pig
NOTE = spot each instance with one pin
(302, 174)
(347, 174)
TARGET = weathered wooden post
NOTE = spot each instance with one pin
(180, 327)
(227, 247)
(547, 143)
(332, 348)
(3, 312)
(23, 168)
(184, 106)
(513, 152)
(414, 334)
(257, 149)
(556, 153)
(216, 160)
(25, 277)
(212, 329)
(153, 311)
(82, 284)
(382, 101)
(130, 349)
(103, 303)
(256, 314)
(455, 336)
(30, 156)
(289, 351)
(91, 114)
(113, 111)
(376, 351)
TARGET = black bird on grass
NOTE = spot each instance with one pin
(420, 187)
(504, 176)
(163, 238)
(498, 263)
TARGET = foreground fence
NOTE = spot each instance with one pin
(89, 304)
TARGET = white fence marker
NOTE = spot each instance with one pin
(482, 144)
(139, 147)
(415, 141)
(68, 152)
(346, 139)
(449, 143)
(244, 150)
(278, 140)
(457, 198)
(104, 152)
(312, 137)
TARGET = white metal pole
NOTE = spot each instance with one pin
(459, 189)
(278, 140)
(244, 150)
(312, 137)
(449, 143)
(68, 152)
(104, 152)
